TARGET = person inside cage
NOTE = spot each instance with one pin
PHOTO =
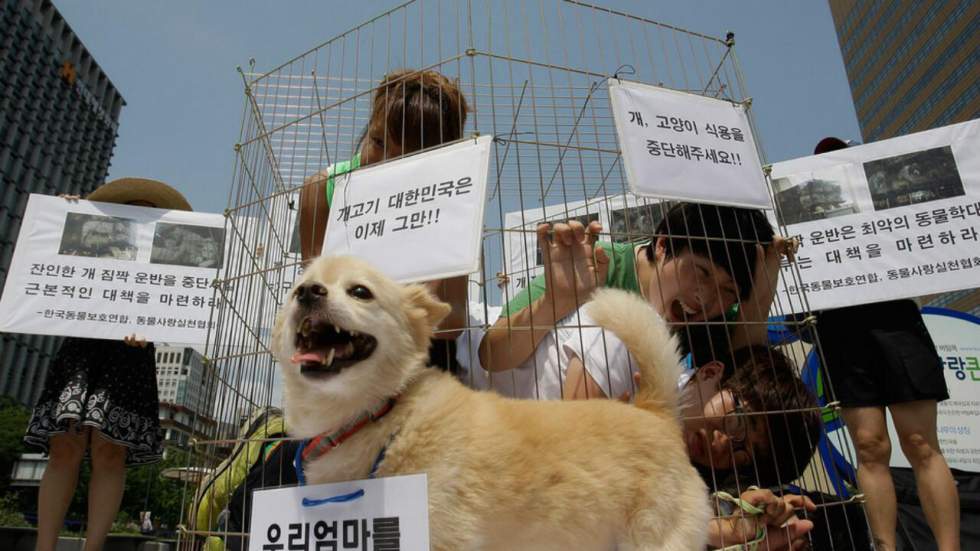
(410, 110)
(732, 404)
(99, 398)
(699, 265)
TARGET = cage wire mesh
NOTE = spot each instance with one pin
(534, 75)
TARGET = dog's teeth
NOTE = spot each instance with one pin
(329, 360)
(336, 329)
(353, 333)
(305, 327)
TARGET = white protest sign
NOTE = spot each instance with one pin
(687, 147)
(892, 219)
(389, 513)
(957, 338)
(418, 218)
(103, 270)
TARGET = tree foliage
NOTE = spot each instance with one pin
(13, 423)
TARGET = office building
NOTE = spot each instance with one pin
(59, 115)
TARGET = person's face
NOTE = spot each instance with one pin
(689, 287)
(721, 436)
(376, 147)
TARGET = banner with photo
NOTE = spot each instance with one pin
(103, 270)
(686, 147)
(892, 219)
(624, 218)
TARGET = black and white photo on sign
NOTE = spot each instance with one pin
(98, 236)
(635, 223)
(584, 219)
(913, 178)
(188, 245)
(828, 193)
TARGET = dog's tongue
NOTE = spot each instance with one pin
(311, 356)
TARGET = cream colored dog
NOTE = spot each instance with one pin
(503, 474)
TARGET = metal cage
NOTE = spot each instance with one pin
(534, 74)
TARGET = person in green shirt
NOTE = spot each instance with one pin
(698, 266)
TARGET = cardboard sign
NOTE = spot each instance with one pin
(893, 219)
(382, 513)
(104, 271)
(687, 147)
(416, 219)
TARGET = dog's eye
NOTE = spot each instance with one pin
(360, 292)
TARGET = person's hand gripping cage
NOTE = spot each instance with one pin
(574, 267)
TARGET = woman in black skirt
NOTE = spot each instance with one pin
(100, 397)
(881, 356)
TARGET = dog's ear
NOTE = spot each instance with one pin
(425, 310)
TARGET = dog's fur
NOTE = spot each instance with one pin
(503, 474)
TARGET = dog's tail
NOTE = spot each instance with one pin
(647, 338)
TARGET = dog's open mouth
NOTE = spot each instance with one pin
(324, 349)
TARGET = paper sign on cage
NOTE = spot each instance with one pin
(380, 513)
(103, 270)
(687, 147)
(416, 219)
(892, 219)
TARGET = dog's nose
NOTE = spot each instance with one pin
(309, 294)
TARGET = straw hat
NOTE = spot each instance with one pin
(128, 190)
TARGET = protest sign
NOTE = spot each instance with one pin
(380, 513)
(687, 147)
(418, 218)
(893, 219)
(957, 338)
(104, 270)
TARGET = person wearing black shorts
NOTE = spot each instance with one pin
(881, 355)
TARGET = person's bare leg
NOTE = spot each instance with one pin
(66, 452)
(869, 432)
(915, 423)
(105, 489)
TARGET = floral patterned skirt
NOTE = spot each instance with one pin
(108, 386)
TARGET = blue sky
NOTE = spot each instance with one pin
(175, 61)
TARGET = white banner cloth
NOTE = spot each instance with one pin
(103, 270)
(892, 219)
(687, 147)
(416, 219)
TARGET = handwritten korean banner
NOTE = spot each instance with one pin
(892, 219)
(687, 147)
(418, 218)
(104, 270)
(382, 513)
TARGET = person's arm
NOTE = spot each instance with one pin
(452, 291)
(134, 341)
(579, 384)
(784, 531)
(754, 310)
(573, 267)
(313, 216)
